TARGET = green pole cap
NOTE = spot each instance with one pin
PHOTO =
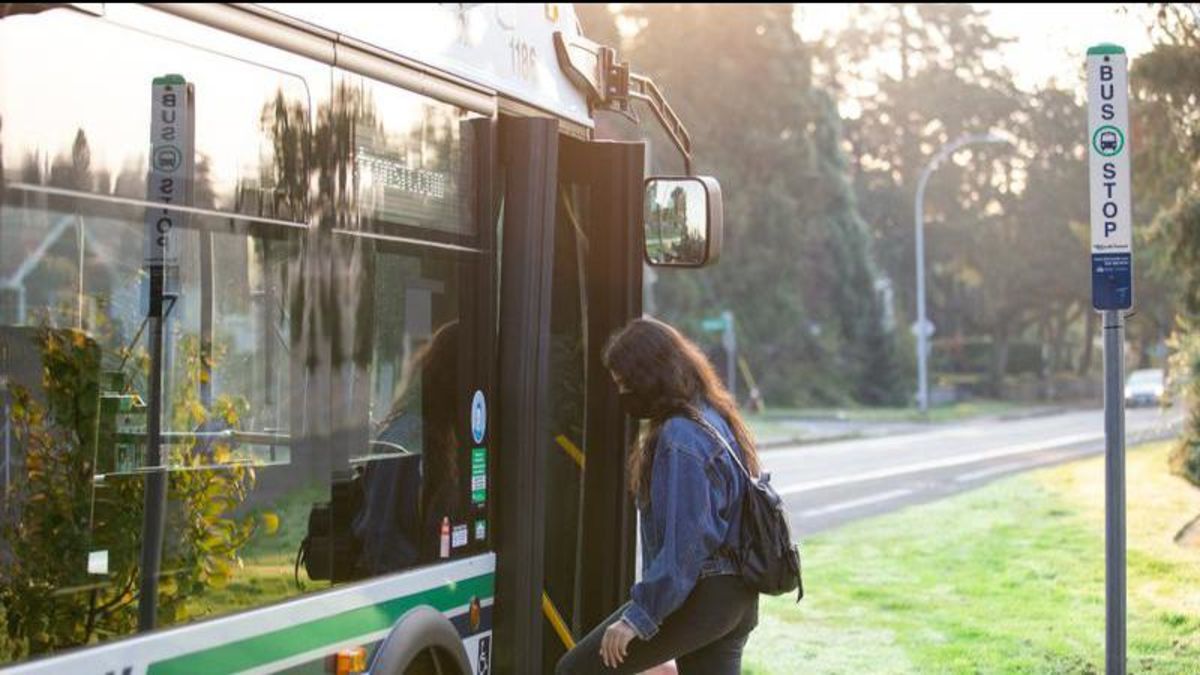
(1105, 48)
(170, 79)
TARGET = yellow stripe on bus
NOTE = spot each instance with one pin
(556, 622)
(571, 449)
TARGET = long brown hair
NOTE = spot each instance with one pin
(428, 390)
(659, 363)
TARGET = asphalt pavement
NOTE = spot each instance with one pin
(831, 484)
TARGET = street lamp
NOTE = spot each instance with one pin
(922, 327)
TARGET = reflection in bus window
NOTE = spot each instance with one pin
(74, 397)
(403, 415)
(410, 481)
(74, 366)
(308, 362)
(412, 161)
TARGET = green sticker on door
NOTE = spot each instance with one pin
(479, 475)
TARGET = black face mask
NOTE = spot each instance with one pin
(638, 406)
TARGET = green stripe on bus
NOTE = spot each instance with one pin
(281, 644)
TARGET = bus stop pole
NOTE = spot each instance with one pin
(1114, 492)
(155, 495)
(172, 167)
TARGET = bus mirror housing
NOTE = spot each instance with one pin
(683, 221)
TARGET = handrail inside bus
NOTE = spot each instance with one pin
(247, 437)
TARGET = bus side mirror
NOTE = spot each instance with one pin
(683, 221)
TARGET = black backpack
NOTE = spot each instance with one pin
(766, 558)
(330, 551)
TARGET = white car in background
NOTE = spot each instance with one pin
(1146, 387)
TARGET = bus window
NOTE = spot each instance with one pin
(413, 164)
(410, 335)
(407, 428)
(73, 498)
(73, 337)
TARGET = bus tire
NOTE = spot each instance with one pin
(423, 640)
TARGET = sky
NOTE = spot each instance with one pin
(1050, 39)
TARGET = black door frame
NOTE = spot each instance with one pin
(529, 157)
(530, 153)
(614, 173)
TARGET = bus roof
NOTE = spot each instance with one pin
(506, 47)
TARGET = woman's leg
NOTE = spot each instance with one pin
(724, 655)
(717, 607)
(585, 657)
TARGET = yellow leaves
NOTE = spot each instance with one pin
(212, 543)
(270, 522)
(219, 572)
(221, 453)
(208, 524)
(214, 508)
(168, 585)
(196, 411)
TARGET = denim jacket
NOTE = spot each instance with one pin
(694, 509)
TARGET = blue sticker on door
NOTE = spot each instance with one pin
(478, 417)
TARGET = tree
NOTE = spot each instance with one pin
(1006, 254)
(798, 266)
(938, 87)
(59, 511)
(1166, 80)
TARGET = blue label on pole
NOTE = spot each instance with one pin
(478, 417)
(1112, 281)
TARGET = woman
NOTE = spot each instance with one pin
(410, 491)
(690, 605)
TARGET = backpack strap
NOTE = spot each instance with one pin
(698, 418)
(301, 555)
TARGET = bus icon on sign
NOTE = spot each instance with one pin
(1108, 140)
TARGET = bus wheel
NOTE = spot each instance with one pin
(434, 661)
(422, 642)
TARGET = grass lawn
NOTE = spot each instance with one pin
(267, 573)
(1005, 579)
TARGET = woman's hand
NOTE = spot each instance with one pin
(614, 646)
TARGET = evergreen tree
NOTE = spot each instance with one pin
(797, 269)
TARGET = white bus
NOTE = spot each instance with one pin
(300, 317)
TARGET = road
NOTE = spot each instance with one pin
(831, 484)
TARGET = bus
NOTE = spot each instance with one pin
(301, 312)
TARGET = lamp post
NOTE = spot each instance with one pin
(923, 323)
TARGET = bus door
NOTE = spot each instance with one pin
(571, 275)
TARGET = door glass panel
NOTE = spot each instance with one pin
(568, 414)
